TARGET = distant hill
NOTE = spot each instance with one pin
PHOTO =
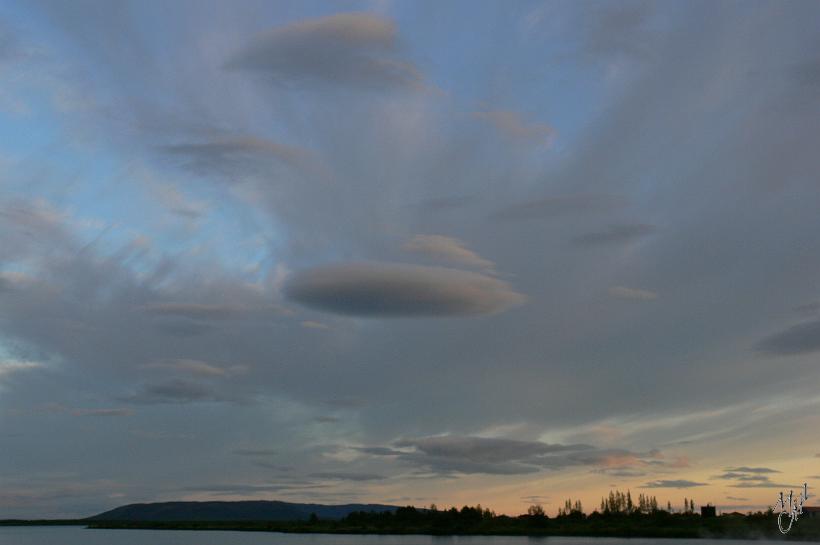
(232, 511)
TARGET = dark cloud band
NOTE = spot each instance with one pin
(350, 49)
(386, 289)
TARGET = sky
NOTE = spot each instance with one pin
(408, 252)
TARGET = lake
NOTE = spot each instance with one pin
(77, 535)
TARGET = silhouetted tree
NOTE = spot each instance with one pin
(574, 509)
(536, 510)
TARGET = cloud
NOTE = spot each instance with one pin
(379, 451)
(764, 484)
(562, 205)
(512, 125)
(355, 50)
(255, 452)
(193, 311)
(620, 472)
(276, 467)
(485, 449)
(807, 73)
(242, 489)
(741, 477)
(740, 136)
(102, 412)
(440, 204)
(808, 308)
(182, 327)
(326, 419)
(12, 367)
(9, 47)
(452, 454)
(30, 227)
(798, 339)
(746, 469)
(51, 494)
(615, 234)
(230, 156)
(677, 483)
(447, 249)
(635, 294)
(210, 311)
(177, 391)
(347, 402)
(197, 367)
(736, 498)
(751, 477)
(619, 31)
(311, 324)
(535, 499)
(387, 289)
(176, 203)
(444, 454)
(342, 476)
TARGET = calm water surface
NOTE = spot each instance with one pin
(73, 535)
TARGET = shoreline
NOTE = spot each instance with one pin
(711, 529)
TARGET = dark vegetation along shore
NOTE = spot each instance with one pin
(610, 521)
(477, 521)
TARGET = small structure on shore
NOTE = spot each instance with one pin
(811, 511)
(708, 511)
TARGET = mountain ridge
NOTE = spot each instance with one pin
(243, 510)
